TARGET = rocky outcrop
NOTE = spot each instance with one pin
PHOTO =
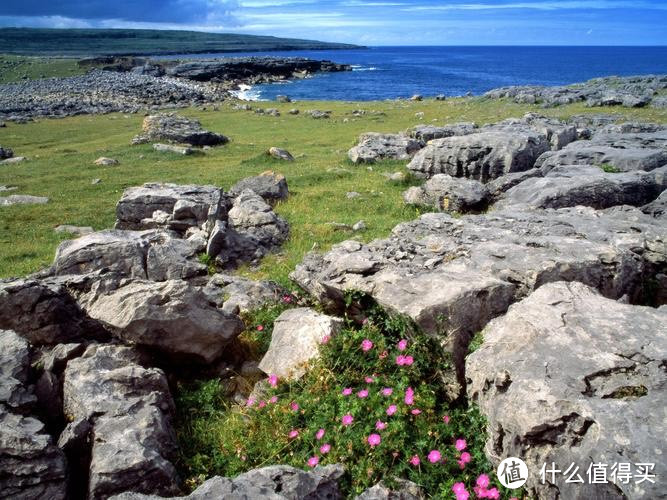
(45, 312)
(31, 466)
(631, 92)
(252, 231)
(155, 255)
(104, 91)
(590, 186)
(251, 69)
(405, 490)
(465, 271)
(172, 317)
(270, 186)
(625, 152)
(297, 335)
(277, 482)
(130, 409)
(449, 194)
(373, 146)
(482, 156)
(171, 127)
(658, 207)
(568, 376)
(179, 207)
(425, 133)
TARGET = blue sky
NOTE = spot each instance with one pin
(370, 22)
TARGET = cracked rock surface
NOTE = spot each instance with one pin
(568, 376)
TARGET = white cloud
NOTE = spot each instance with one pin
(541, 5)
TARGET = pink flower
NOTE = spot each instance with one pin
(400, 360)
(273, 380)
(434, 456)
(287, 299)
(294, 406)
(465, 457)
(387, 391)
(416, 411)
(464, 495)
(369, 380)
(363, 393)
(273, 400)
(402, 345)
(445, 419)
(391, 410)
(260, 328)
(293, 433)
(458, 488)
(415, 460)
(383, 354)
(408, 360)
(460, 444)
(347, 391)
(409, 396)
(250, 402)
(325, 339)
(319, 434)
(261, 404)
(374, 440)
(366, 345)
(380, 425)
(493, 493)
(483, 481)
(313, 461)
(325, 448)
(347, 419)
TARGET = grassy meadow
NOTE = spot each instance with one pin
(61, 153)
(18, 68)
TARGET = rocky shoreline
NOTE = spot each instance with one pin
(132, 85)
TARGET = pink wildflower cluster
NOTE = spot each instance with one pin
(404, 360)
(482, 489)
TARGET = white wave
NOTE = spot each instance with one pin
(247, 93)
(360, 68)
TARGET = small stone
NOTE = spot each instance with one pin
(169, 148)
(15, 159)
(106, 162)
(359, 226)
(22, 199)
(78, 230)
(281, 154)
(283, 98)
(416, 97)
(352, 195)
(293, 111)
(95, 181)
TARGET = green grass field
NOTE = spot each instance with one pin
(18, 68)
(61, 155)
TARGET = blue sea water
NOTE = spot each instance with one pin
(390, 72)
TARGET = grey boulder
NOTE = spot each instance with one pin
(172, 317)
(153, 254)
(482, 156)
(568, 186)
(373, 146)
(185, 205)
(171, 127)
(14, 372)
(568, 376)
(280, 154)
(658, 207)
(425, 133)
(270, 186)
(130, 409)
(235, 294)
(276, 482)
(449, 194)
(22, 199)
(297, 335)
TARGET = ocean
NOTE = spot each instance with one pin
(391, 72)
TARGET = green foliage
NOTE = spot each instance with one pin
(217, 438)
(476, 342)
(610, 169)
(259, 326)
(209, 262)
(17, 68)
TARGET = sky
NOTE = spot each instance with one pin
(369, 22)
